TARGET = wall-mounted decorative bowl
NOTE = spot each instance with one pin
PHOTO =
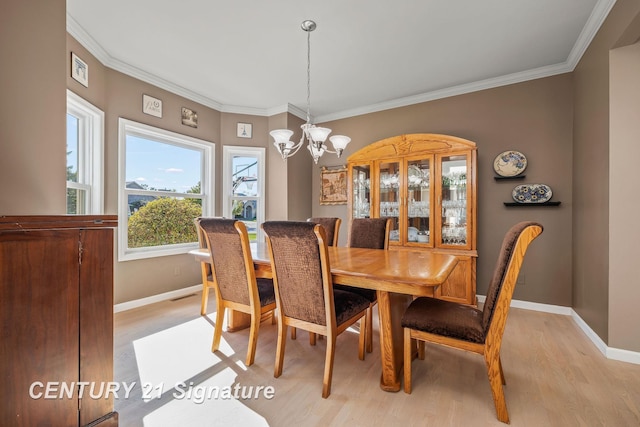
(532, 193)
(509, 163)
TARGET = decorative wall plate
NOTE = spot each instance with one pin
(531, 193)
(510, 163)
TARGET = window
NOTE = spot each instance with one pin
(85, 130)
(165, 181)
(243, 183)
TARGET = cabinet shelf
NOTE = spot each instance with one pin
(509, 178)
(531, 204)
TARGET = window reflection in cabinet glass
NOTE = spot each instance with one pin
(454, 200)
(361, 191)
(390, 195)
(418, 200)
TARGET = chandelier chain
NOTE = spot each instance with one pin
(308, 76)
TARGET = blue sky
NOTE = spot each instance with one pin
(162, 166)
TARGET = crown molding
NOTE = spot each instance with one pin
(597, 17)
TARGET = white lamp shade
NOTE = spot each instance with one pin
(281, 136)
(319, 134)
(340, 141)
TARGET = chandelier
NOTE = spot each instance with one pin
(315, 136)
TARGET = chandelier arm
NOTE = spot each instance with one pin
(296, 147)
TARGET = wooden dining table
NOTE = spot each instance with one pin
(396, 275)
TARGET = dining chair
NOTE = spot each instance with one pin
(372, 233)
(207, 277)
(467, 328)
(331, 227)
(305, 296)
(234, 276)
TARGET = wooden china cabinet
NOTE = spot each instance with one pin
(426, 183)
(56, 314)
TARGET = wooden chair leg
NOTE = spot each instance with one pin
(273, 317)
(407, 360)
(293, 333)
(504, 382)
(493, 372)
(282, 340)
(328, 366)
(253, 339)
(217, 330)
(421, 350)
(369, 328)
(312, 338)
(362, 338)
(205, 299)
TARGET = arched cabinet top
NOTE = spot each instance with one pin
(409, 144)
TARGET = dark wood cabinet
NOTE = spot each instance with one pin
(56, 315)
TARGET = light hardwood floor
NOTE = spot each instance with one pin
(555, 377)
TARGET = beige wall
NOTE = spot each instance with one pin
(624, 230)
(533, 117)
(32, 107)
(591, 184)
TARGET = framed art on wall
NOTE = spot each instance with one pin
(79, 70)
(189, 117)
(245, 130)
(151, 106)
(333, 186)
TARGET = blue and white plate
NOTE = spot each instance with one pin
(532, 193)
(510, 163)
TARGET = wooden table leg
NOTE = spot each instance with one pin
(391, 307)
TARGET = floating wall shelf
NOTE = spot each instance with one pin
(509, 178)
(531, 204)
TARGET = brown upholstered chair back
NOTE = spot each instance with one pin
(227, 258)
(370, 233)
(331, 228)
(495, 286)
(297, 269)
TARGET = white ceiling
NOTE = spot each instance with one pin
(250, 56)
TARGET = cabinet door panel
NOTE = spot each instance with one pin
(360, 192)
(96, 318)
(419, 202)
(454, 197)
(39, 318)
(389, 202)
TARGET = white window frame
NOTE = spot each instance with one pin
(228, 152)
(129, 127)
(90, 152)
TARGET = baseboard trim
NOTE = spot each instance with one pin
(608, 352)
(129, 305)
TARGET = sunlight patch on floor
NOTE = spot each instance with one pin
(191, 406)
(177, 354)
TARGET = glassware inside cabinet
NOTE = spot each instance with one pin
(361, 191)
(454, 200)
(390, 196)
(418, 201)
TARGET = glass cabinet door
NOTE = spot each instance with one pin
(361, 197)
(389, 200)
(418, 201)
(453, 215)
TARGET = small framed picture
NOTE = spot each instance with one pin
(333, 186)
(79, 70)
(245, 130)
(189, 117)
(151, 106)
